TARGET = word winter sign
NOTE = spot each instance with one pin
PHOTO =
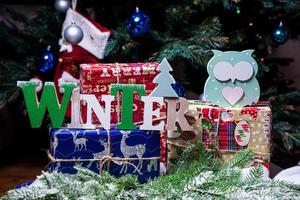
(49, 101)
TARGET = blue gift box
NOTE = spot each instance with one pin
(23, 185)
(120, 152)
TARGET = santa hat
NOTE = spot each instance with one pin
(90, 49)
(95, 36)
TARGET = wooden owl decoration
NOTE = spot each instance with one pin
(232, 81)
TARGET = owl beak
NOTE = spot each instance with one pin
(232, 79)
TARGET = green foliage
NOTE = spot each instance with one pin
(20, 46)
(196, 48)
(256, 174)
(288, 5)
(10, 74)
(198, 153)
(290, 135)
(239, 160)
(200, 179)
(194, 45)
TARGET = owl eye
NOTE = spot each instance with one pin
(222, 71)
(243, 71)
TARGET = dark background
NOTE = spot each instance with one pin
(18, 140)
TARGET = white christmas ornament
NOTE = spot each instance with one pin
(94, 40)
(73, 33)
(62, 5)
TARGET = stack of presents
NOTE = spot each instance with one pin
(230, 119)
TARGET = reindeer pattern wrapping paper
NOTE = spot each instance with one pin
(238, 129)
(86, 148)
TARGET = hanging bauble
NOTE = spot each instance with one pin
(238, 10)
(73, 34)
(232, 6)
(62, 5)
(280, 34)
(45, 61)
(138, 24)
(178, 89)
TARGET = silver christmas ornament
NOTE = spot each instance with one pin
(62, 5)
(73, 34)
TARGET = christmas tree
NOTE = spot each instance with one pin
(183, 32)
(164, 81)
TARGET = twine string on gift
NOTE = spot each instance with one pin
(106, 159)
(116, 160)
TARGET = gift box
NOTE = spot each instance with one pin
(228, 130)
(163, 147)
(119, 152)
(96, 79)
(23, 185)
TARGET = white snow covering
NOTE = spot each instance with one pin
(291, 175)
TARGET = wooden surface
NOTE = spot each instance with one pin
(20, 171)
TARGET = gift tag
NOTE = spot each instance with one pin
(242, 133)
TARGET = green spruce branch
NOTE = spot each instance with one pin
(196, 181)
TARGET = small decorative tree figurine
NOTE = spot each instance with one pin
(164, 80)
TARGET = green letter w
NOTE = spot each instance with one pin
(36, 110)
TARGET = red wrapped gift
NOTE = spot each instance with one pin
(163, 147)
(96, 79)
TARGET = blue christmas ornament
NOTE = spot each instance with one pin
(45, 61)
(232, 6)
(280, 34)
(178, 89)
(138, 24)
